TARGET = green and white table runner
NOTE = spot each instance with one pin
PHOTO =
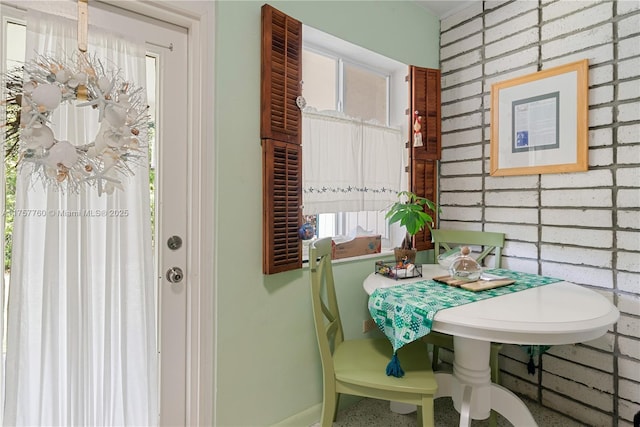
(404, 313)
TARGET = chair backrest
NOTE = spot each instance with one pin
(489, 241)
(326, 315)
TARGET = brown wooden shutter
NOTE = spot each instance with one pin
(280, 124)
(281, 75)
(425, 98)
(282, 187)
(424, 183)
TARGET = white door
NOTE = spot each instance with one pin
(167, 56)
(169, 53)
(168, 99)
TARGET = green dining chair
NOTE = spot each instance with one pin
(490, 242)
(358, 367)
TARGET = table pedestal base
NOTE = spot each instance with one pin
(473, 393)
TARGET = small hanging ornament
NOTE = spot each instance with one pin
(300, 101)
(417, 130)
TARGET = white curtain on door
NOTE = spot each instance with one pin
(81, 345)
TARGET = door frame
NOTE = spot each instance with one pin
(198, 19)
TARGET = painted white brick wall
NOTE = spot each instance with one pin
(511, 43)
(629, 198)
(469, 12)
(600, 116)
(518, 182)
(600, 197)
(629, 390)
(500, 31)
(628, 325)
(581, 354)
(583, 227)
(504, 63)
(460, 92)
(629, 261)
(600, 74)
(627, 410)
(592, 16)
(604, 343)
(575, 409)
(462, 76)
(577, 217)
(628, 219)
(629, 368)
(511, 198)
(629, 25)
(461, 31)
(629, 134)
(463, 45)
(628, 177)
(628, 68)
(559, 9)
(577, 255)
(600, 178)
(629, 47)
(629, 304)
(586, 39)
(628, 282)
(627, 6)
(601, 157)
(504, 12)
(629, 347)
(520, 386)
(462, 138)
(586, 394)
(520, 215)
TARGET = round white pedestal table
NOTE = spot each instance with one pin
(554, 314)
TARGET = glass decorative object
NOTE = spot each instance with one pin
(464, 267)
(445, 259)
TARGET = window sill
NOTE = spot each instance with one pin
(381, 254)
(384, 253)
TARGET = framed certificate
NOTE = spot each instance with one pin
(539, 122)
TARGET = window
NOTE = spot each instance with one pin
(362, 84)
(281, 131)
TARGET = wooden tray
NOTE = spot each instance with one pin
(479, 285)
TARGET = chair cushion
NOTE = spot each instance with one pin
(364, 362)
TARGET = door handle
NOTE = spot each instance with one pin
(175, 275)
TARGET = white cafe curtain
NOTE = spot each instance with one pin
(349, 165)
(81, 344)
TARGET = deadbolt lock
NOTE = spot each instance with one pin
(174, 243)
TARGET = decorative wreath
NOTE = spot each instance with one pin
(36, 90)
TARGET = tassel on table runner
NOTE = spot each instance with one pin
(393, 368)
(534, 350)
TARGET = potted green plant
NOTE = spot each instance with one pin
(411, 214)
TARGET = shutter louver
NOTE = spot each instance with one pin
(280, 130)
(425, 98)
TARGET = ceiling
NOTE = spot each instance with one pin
(444, 8)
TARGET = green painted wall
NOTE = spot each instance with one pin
(267, 363)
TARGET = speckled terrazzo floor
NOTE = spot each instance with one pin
(372, 413)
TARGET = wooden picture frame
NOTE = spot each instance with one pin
(539, 122)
